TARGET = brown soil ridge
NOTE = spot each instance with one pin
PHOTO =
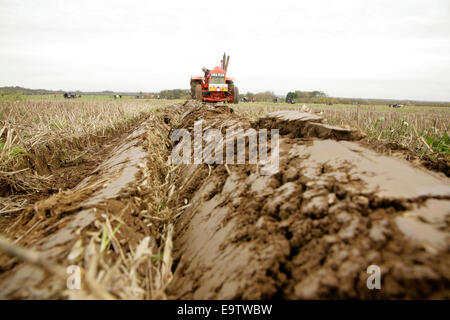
(53, 226)
(297, 124)
(310, 231)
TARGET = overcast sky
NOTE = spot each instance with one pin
(371, 49)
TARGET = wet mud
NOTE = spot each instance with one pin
(312, 230)
(309, 231)
(53, 226)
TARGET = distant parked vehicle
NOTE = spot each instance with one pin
(69, 95)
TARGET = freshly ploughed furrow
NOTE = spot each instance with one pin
(312, 229)
(53, 226)
(307, 225)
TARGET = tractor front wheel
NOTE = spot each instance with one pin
(235, 95)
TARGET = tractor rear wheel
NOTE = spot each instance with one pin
(196, 91)
(235, 95)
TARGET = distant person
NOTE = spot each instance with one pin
(253, 99)
(206, 71)
(54, 95)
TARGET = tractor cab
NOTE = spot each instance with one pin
(216, 80)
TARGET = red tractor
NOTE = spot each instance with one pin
(215, 86)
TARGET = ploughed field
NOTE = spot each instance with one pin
(306, 225)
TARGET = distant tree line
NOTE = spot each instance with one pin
(306, 96)
(174, 94)
(26, 91)
(321, 97)
(266, 96)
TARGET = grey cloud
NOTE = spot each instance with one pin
(347, 48)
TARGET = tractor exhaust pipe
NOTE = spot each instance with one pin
(226, 64)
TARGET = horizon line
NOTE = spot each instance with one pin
(276, 94)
